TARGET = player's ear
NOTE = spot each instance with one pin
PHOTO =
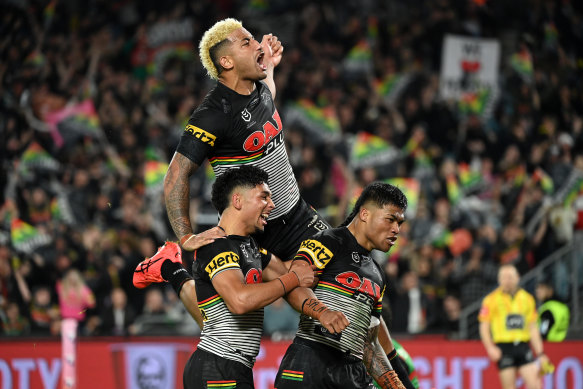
(364, 214)
(237, 200)
(226, 62)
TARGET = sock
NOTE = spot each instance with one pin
(175, 274)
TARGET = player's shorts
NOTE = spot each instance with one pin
(282, 236)
(206, 370)
(307, 364)
(514, 355)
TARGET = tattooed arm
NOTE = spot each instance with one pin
(177, 197)
(377, 363)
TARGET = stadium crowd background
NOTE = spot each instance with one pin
(83, 191)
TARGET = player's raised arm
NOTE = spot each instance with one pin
(177, 198)
(273, 51)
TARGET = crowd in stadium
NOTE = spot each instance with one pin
(95, 98)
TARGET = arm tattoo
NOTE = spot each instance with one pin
(312, 307)
(177, 193)
(374, 358)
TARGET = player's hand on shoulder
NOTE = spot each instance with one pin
(334, 321)
(191, 242)
(304, 271)
(272, 48)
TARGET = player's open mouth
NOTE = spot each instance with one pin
(392, 240)
(260, 61)
(263, 218)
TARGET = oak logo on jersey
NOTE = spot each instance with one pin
(353, 281)
(221, 262)
(319, 253)
(258, 139)
(202, 135)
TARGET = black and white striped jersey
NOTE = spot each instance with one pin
(350, 281)
(233, 130)
(231, 336)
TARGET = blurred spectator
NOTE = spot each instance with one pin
(44, 312)
(410, 304)
(185, 324)
(474, 275)
(13, 323)
(74, 296)
(118, 316)
(452, 308)
(155, 318)
(553, 314)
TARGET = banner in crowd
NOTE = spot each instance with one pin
(359, 58)
(26, 238)
(35, 157)
(162, 41)
(411, 189)
(367, 150)
(469, 73)
(320, 122)
(74, 121)
(154, 176)
(391, 85)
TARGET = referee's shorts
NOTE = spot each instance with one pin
(283, 235)
(514, 355)
(308, 364)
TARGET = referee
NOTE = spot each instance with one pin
(508, 323)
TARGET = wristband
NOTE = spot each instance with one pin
(392, 354)
(185, 239)
(289, 281)
(313, 308)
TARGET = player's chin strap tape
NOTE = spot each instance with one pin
(313, 308)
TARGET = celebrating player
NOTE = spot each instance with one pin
(348, 280)
(230, 275)
(238, 124)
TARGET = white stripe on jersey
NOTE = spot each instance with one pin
(353, 336)
(230, 336)
(282, 182)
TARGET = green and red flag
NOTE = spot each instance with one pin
(26, 238)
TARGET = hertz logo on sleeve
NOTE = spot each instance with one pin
(221, 262)
(317, 251)
(202, 135)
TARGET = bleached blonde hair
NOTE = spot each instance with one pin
(217, 33)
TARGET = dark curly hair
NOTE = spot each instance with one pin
(246, 176)
(381, 194)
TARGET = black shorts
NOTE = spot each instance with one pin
(207, 370)
(283, 235)
(308, 364)
(514, 355)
